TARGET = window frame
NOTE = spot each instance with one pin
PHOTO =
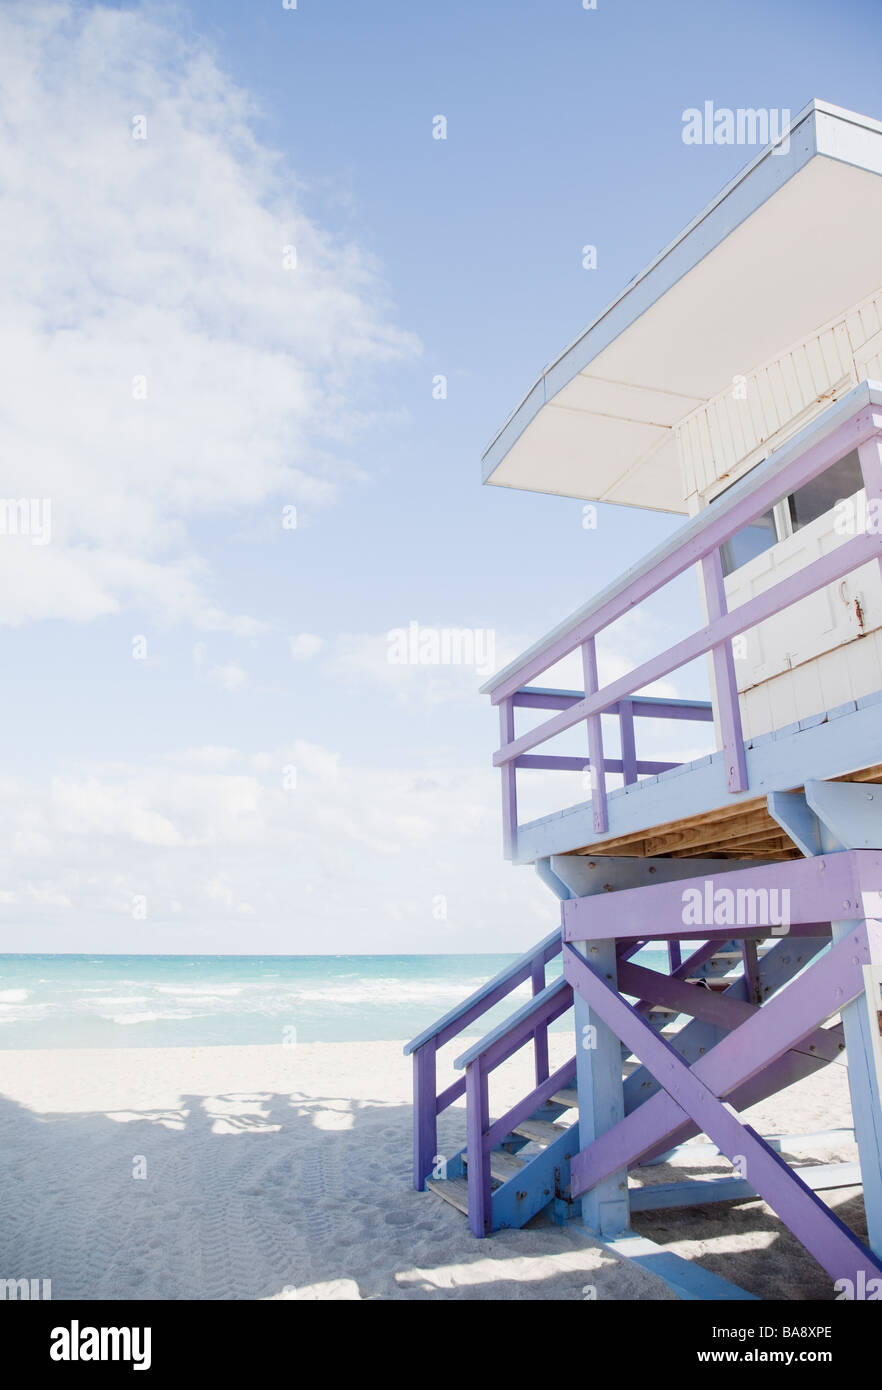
(781, 514)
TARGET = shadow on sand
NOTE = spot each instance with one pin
(261, 1195)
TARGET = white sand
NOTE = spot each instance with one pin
(285, 1172)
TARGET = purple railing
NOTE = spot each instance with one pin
(483, 1058)
(855, 423)
(629, 765)
(427, 1103)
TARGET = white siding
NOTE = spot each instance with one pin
(825, 650)
(724, 438)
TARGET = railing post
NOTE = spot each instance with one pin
(425, 1122)
(509, 782)
(477, 1124)
(725, 682)
(870, 456)
(540, 1037)
(595, 741)
(629, 746)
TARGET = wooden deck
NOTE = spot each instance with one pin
(688, 812)
(732, 832)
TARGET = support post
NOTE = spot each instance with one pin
(861, 1025)
(850, 812)
(605, 1209)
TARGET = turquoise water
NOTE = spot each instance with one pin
(191, 1001)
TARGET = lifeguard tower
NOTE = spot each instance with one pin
(738, 382)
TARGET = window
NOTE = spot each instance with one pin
(812, 500)
(841, 479)
(746, 544)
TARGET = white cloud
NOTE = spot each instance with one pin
(231, 677)
(160, 364)
(349, 859)
(364, 659)
(210, 758)
(371, 658)
(305, 646)
(96, 807)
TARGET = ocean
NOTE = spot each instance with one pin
(55, 1001)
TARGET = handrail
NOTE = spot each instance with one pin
(478, 1062)
(644, 706)
(854, 422)
(427, 1103)
(529, 1104)
(520, 967)
(539, 1005)
(831, 566)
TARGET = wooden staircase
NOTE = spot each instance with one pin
(521, 1163)
(517, 1186)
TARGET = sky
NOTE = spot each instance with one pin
(235, 262)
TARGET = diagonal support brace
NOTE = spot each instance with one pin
(692, 1092)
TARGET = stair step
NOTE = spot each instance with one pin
(503, 1165)
(540, 1131)
(453, 1190)
(568, 1097)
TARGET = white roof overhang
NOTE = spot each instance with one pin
(785, 247)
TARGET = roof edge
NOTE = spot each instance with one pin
(756, 182)
(866, 393)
